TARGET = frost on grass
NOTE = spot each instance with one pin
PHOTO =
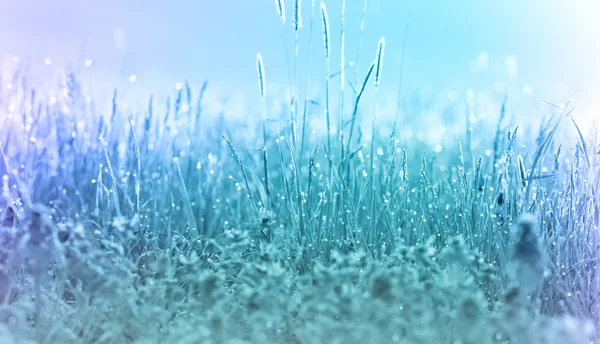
(244, 290)
(437, 254)
(176, 231)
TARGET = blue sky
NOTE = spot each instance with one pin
(555, 42)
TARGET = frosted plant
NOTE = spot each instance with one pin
(4, 283)
(526, 266)
(37, 239)
(12, 214)
(455, 258)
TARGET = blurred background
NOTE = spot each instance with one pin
(533, 50)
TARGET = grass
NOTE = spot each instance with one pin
(165, 231)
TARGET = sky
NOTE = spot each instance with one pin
(537, 49)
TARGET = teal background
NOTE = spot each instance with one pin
(555, 43)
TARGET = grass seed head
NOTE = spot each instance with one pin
(379, 61)
(297, 15)
(280, 10)
(326, 33)
(261, 75)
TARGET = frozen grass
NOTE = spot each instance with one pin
(152, 228)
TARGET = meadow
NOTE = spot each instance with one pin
(163, 226)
